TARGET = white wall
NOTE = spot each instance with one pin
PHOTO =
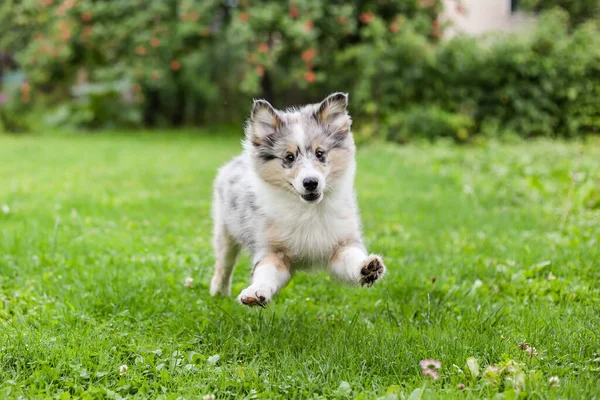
(481, 16)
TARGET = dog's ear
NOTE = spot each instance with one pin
(264, 120)
(333, 111)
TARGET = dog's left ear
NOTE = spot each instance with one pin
(333, 111)
(264, 121)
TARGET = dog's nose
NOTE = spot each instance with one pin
(310, 183)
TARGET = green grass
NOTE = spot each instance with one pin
(99, 232)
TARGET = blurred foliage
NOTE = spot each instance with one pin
(580, 10)
(99, 64)
(187, 61)
(540, 83)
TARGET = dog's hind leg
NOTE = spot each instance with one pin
(226, 254)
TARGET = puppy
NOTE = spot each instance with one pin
(289, 200)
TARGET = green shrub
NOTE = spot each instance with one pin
(579, 10)
(174, 62)
(429, 122)
(190, 61)
(546, 83)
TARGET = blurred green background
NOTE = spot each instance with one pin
(89, 64)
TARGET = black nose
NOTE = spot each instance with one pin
(310, 183)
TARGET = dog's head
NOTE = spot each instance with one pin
(304, 151)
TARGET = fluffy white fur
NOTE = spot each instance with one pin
(263, 202)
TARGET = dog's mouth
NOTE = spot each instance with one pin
(311, 197)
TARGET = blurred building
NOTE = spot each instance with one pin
(476, 17)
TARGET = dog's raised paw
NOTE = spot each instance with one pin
(372, 269)
(254, 297)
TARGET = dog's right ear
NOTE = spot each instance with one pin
(264, 121)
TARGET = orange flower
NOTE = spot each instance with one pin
(25, 87)
(155, 42)
(308, 26)
(308, 55)
(155, 75)
(294, 12)
(86, 16)
(260, 70)
(140, 51)
(310, 76)
(175, 65)
(263, 47)
(394, 26)
(243, 16)
(366, 17)
(66, 35)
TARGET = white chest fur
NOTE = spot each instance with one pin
(310, 232)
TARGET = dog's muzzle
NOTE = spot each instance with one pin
(310, 197)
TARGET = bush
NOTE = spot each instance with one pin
(190, 61)
(429, 122)
(542, 84)
(579, 10)
(174, 62)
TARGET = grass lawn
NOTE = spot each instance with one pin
(486, 247)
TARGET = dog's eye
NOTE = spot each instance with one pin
(319, 154)
(290, 158)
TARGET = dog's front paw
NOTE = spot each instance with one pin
(371, 270)
(254, 296)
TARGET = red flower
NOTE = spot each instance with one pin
(155, 42)
(140, 50)
(260, 70)
(310, 76)
(294, 12)
(366, 17)
(308, 55)
(263, 47)
(394, 26)
(175, 65)
(243, 16)
(460, 9)
(308, 26)
(86, 16)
